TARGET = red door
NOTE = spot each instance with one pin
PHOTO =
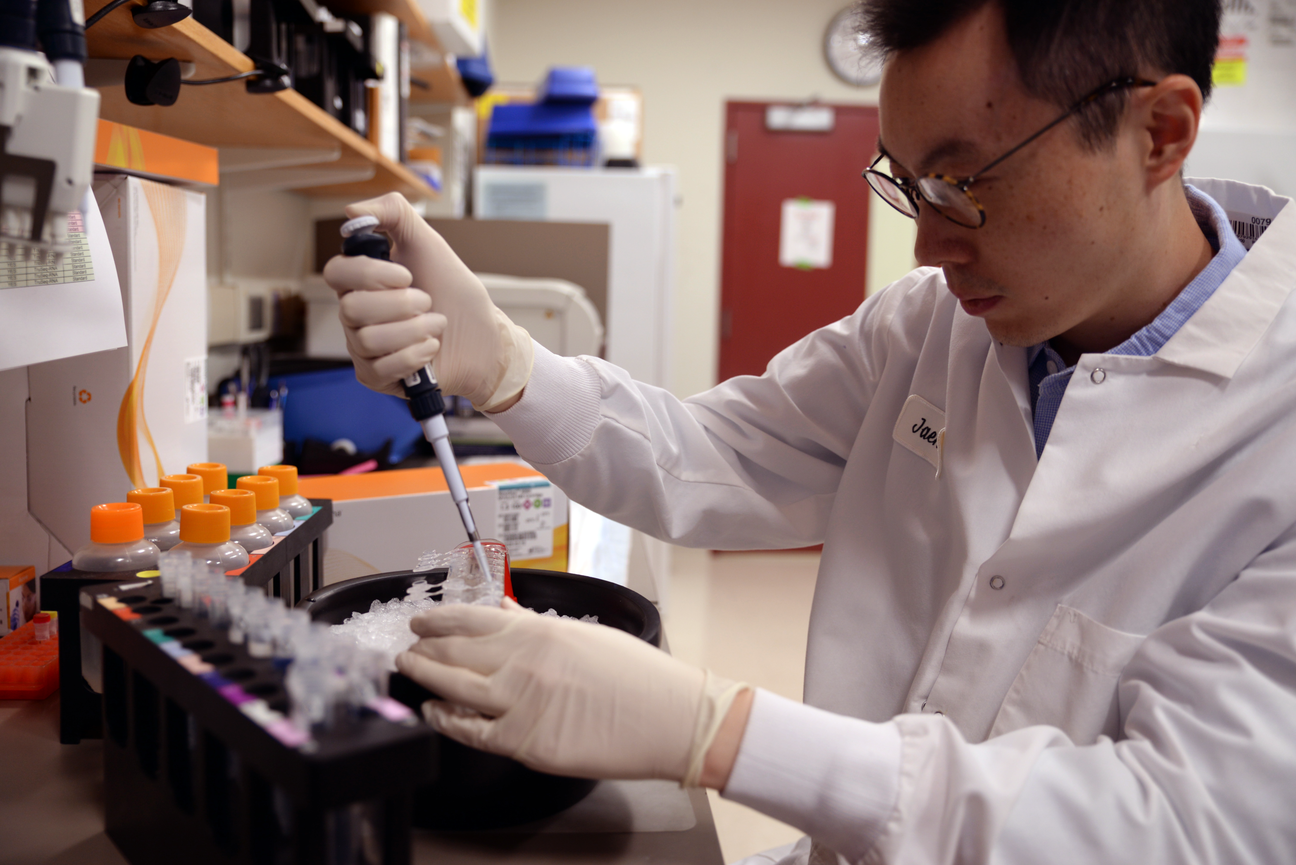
(778, 186)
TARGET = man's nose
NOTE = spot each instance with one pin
(939, 241)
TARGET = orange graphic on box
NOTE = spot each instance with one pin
(167, 206)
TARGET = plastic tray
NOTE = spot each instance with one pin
(292, 568)
(201, 766)
(29, 669)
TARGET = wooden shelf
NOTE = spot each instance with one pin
(407, 11)
(445, 87)
(249, 128)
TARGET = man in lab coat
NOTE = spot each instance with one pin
(1053, 472)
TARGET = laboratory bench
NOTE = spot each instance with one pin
(51, 812)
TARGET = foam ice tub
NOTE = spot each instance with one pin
(473, 789)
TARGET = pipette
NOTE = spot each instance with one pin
(422, 390)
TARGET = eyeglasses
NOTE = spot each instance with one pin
(951, 197)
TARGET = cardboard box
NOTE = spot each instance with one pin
(18, 584)
(101, 424)
(388, 519)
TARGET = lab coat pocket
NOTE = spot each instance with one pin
(1069, 679)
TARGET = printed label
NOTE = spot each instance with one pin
(195, 396)
(524, 518)
(1248, 228)
(20, 269)
(920, 429)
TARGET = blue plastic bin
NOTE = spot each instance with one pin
(330, 404)
(570, 84)
(542, 134)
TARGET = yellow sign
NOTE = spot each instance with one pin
(1230, 72)
(468, 9)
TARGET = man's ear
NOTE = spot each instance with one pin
(1169, 117)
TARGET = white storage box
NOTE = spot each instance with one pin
(99, 425)
(244, 444)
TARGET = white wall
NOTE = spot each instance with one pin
(688, 57)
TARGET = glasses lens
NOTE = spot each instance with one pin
(951, 201)
(892, 194)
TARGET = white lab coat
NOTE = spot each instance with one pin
(1090, 657)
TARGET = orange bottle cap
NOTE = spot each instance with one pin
(204, 524)
(158, 503)
(214, 476)
(116, 523)
(188, 489)
(265, 487)
(242, 505)
(287, 476)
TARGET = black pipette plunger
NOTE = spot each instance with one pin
(425, 402)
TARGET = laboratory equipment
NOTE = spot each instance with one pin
(161, 527)
(269, 514)
(47, 150)
(116, 540)
(640, 206)
(425, 402)
(205, 535)
(203, 763)
(292, 568)
(214, 477)
(244, 528)
(466, 584)
(187, 489)
(473, 789)
(296, 505)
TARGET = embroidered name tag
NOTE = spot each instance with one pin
(920, 429)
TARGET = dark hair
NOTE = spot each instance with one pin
(1065, 48)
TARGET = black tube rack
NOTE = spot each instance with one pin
(291, 569)
(200, 765)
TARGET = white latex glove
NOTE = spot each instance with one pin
(393, 329)
(565, 697)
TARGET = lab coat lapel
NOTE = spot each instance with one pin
(1228, 326)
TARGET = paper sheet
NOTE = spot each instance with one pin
(51, 312)
(806, 234)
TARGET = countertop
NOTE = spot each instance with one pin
(51, 812)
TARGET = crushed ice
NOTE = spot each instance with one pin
(385, 627)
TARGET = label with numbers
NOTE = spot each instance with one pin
(21, 268)
(524, 518)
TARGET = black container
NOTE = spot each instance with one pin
(190, 775)
(291, 569)
(473, 789)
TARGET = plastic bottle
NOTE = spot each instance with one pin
(116, 540)
(205, 535)
(244, 529)
(187, 489)
(214, 477)
(160, 524)
(269, 514)
(42, 621)
(298, 506)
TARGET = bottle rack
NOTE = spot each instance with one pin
(291, 568)
(201, 764)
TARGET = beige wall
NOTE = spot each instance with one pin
(689, 57)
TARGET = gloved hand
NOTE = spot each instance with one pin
(565, 697)
(393, 329)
